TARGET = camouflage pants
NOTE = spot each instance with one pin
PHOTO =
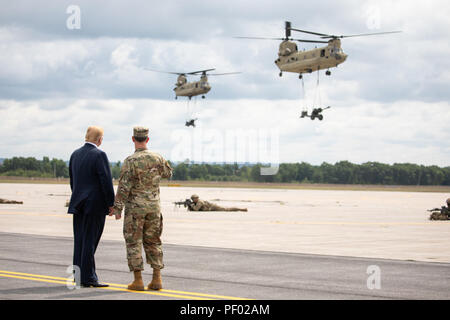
(143, 228)
(215, 207)
(437, 215)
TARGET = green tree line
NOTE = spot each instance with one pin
(342, 172)
(31, 167)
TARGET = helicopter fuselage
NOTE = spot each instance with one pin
(292, 60)
(191, 89)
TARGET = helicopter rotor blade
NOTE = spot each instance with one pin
(360, 35)
(299, 40)
(309, 41)
(178, 73)
(259, 38)
(310, 32)
(200, 71)
(222, 74)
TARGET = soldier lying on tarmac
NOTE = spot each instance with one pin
(441, 214)
(202, 205)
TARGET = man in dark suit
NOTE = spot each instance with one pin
(92, 199)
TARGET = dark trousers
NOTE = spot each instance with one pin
(87, 230)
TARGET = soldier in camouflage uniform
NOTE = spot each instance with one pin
(138, 192)
(441, 214)
(202, 205)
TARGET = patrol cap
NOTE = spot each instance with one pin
(448, 201)
(140, 132)
(194, 196)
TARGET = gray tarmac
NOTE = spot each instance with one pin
(291, 244)
(34, 267)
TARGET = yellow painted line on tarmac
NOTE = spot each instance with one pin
(31, 278)
(119, 287)
(189, 293)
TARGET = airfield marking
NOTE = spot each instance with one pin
(428, 223)
(118, 287)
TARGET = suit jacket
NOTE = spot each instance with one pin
(90, 181)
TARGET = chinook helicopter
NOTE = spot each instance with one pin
(290, 59)
(192, 89)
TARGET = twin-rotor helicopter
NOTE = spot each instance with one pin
(290, 59)
(183, 88)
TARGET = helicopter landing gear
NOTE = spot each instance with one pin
(280, 74)
(328, 73)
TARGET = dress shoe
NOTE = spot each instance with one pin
(94, 285)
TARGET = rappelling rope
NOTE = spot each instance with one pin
(317, 94)
(303, 97)
(194, 107)
(188, 111)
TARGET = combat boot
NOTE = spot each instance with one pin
(137, 284)
(156, 283)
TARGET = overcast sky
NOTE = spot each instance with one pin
(389, 100)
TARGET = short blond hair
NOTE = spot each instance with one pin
(93, 134)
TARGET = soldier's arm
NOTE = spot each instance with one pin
(124, 188)
(197, 206)
(166, 169)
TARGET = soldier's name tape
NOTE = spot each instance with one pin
(119, 287)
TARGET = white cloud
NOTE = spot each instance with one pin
(390, 99)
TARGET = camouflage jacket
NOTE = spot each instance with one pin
(139, 180)
(440, 214)
(203, 205)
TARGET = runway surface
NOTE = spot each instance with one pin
(34, 267)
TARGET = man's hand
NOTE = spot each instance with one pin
(111, 212)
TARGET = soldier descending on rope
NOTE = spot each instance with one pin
(202, 205)
(441, 214)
